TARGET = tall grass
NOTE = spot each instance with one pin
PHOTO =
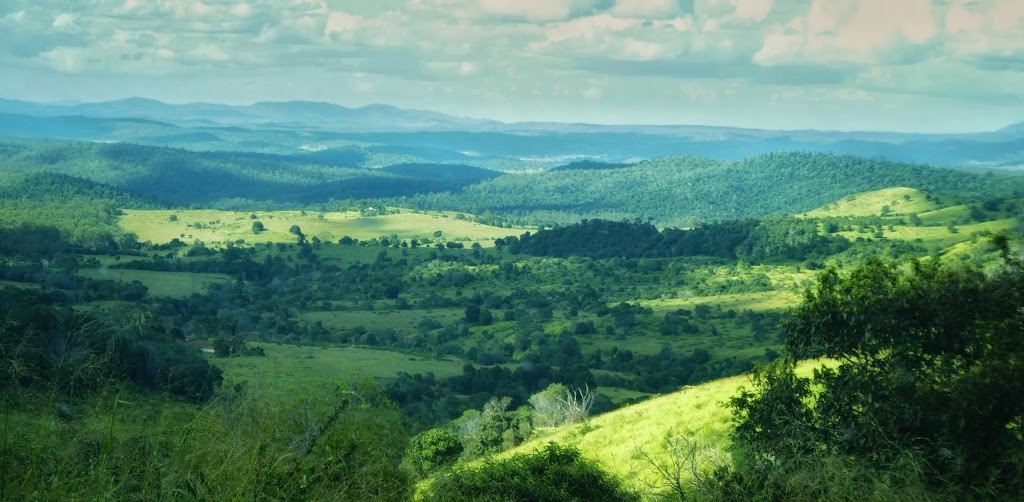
(333, 442)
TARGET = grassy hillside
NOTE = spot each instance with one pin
(898, 200)
(615, 438)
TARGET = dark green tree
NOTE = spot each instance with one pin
(297, 232)
(433, 449)
(930, 361)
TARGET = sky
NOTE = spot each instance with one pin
(897, 65)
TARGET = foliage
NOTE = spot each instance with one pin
(558, 405)
(495, 429)
(185, 178)
(768, 240)
(552, 473)
(684, 191)
(929, 363)
(76, 354)
(433, 449)
(331, 443)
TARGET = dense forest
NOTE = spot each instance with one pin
(685, 191)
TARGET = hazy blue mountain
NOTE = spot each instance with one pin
(328, 132)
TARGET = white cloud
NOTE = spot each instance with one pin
(64, 21)
(646, 9)
(753, 10)
(342, 23)
(547, 54)
(242, 10)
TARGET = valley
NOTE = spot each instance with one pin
(193, 309)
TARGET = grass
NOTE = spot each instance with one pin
(613, 438)
(381, 320)
(291, 368)
(939, 236)
(169, 284)
(758, 302)
(230, 226)
(622, 396)
(901, 200)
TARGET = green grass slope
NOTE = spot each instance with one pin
(615, 439)
(899, 201)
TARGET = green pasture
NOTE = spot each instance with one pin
(399, 320)
(213, 226)
(940, 236)
(291, 368)
(170, 284)
(622, 396)
(946, 215)
(900, 201)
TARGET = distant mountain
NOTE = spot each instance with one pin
(416, 136)
(1016, 130)
(291, 114)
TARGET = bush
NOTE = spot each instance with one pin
(433, 449)
(552, 473)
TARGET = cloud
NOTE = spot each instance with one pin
(540, 55)
(647, 9)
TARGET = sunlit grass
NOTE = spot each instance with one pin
(230, 226)
(758, 302)
(900, 200)
(613, 438)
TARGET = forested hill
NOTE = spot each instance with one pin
(674, 191)
(41, 186)
(685, 190)
(213, 179)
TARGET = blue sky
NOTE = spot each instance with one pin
(908, 65)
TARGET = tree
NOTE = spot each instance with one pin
(257, 227)
(433, 449)
(930, 361)
(472, 314)
(296, 231)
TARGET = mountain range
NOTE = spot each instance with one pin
(299, 127)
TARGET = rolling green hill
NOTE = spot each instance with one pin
(236, 179)
(885, 202)
(674, 191)
(683, 191)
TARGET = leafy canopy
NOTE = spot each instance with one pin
(930, 361)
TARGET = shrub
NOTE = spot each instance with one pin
(552, 473)
(433, 449)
